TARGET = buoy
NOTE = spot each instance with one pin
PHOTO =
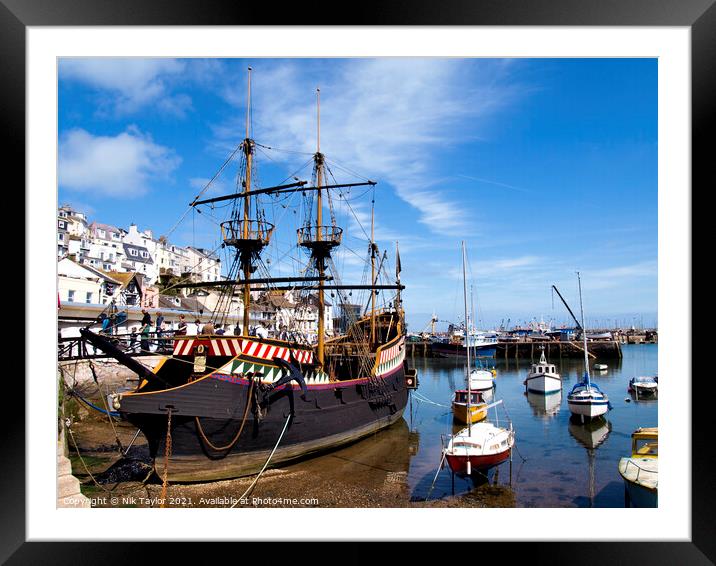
(627, 399)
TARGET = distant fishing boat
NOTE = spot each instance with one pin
(643, 385)
(640, 471)
(543, 377)
(586, 400)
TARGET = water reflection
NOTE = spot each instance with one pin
(590, 435)
(545, 405)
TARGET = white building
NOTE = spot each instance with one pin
(203, 265)
(83, 284)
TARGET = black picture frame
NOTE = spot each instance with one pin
(17, 15)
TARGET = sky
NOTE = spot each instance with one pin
(543, 167)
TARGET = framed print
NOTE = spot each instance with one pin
(131, 109)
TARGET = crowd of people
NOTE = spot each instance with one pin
(160, 331)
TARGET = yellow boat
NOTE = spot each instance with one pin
(641, 471)
(477, 410)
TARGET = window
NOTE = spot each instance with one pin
(62, 224)
(101, 233)
(70, 296)
(61, 237)
(89, 297)
(132, 251)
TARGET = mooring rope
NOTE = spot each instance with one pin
(421, 398)
(285, 426)
(167, 453)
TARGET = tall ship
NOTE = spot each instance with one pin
(225, 405)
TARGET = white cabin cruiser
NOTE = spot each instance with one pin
(543, 377)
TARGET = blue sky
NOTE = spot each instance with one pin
(542, 166)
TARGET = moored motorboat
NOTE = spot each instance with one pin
(464, 412)
(601, 366)
(481, 379)
(543, 377)
(640, 471)
(643, 385)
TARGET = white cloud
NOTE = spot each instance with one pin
(386, 118)
(129, 84)
(115, 166)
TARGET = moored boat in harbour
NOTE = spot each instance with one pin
(586, 400)
(640, 471)
(644, 386)
(543, 377)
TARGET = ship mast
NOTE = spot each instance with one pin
(248, 152)
(372, 273)
(318, 160)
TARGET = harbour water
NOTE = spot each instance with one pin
(557, 462)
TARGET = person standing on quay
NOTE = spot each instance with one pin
(159, 326)
(146, 328)
(181, 327)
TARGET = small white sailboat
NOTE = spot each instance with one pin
(543, 377)
(586, 400)
(479, 447)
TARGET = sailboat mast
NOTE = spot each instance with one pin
(372, 274)
(319, 221)
(248, 151)
(472, 316)
(584, 331)
(464, 292)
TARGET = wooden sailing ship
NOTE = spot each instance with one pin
(222, 406)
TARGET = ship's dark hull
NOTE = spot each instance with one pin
(332, 414)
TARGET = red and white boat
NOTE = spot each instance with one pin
(479, 447)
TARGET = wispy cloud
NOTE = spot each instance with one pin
(115, 166)
(127, 85)
(388, 118)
